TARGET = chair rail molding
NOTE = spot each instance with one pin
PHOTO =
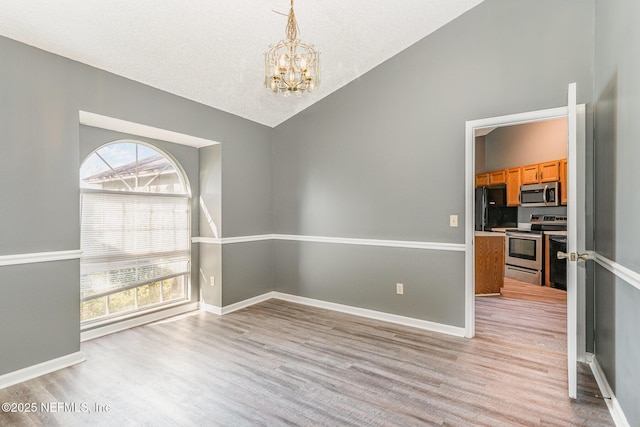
(624, 273)
(409, 244)
(30, 258)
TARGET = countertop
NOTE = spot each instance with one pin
(556, 233)
(489, 234)
(499, 232)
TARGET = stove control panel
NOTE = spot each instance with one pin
(548, 219)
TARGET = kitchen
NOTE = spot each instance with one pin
(521, 210)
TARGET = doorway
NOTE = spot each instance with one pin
(531, 156)
(575, 297)
(482, 128)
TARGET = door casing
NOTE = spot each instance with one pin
(470, 146)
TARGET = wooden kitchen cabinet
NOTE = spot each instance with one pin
(564, 189)
(549, 171)
(482, 180)
(497, 177)
(513, 186)
(489, 257)
(529, 174)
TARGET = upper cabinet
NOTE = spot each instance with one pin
(564, 189)
(549, 171)
(529, 174)
(513, 187)
(541, 172)
(497, 177)
(532, 174)
(482, 180)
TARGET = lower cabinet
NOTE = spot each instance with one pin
(489, 256)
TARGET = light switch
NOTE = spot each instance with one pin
(453, 220)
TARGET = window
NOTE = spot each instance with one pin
(135, 231)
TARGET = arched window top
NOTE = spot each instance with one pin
(132, 166)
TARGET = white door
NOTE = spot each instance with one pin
(575, 238)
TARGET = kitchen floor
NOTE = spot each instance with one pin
(516, 289)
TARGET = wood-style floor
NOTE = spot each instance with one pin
(520, 290)
(278, 363)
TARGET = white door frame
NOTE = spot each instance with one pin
(470, 153)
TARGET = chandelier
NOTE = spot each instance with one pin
(291, 66)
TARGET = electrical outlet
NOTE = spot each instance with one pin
(453, 220)
(399, 289)
(212, 281)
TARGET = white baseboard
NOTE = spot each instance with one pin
(356, 311)
(236, 306)
(137, 321)
(40, 369)
(209, 308)
(609, 397)
(372, 314)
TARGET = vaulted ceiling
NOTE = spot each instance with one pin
(211, 51)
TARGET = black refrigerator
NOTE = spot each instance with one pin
(492, 210)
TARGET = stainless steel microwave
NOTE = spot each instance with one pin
(534, 195)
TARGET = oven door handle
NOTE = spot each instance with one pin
(544, 195)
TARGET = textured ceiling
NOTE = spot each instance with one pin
(211, 51)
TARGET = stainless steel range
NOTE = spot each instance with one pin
(524, 248)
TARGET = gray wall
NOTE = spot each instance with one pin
(39, 313)
(616, 201)
(247, 270)
(247, 196)
(40, 96)
(366, 276)
(383, 158)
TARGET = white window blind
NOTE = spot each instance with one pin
(130, 239)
